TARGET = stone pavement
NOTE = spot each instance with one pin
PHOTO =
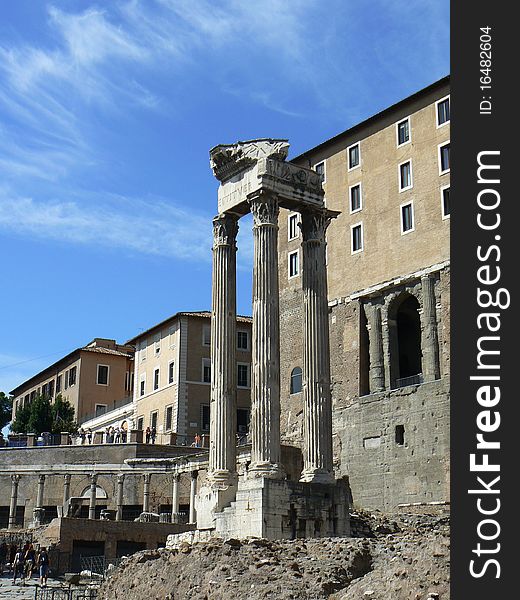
(19, 592)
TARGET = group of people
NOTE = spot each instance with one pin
(150, 435)
(22, 561)
(113, 435)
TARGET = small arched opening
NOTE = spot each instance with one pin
(406, 342)
(296, 380)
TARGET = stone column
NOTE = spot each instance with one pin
(193, 492)
(223, 410)
(317, 399)
(15, 480)
(92, 503)
(39, 495)
(375, 334)
(146, 492)
(66, 491)
(175, 497)
(265, 372)
(429, 341)
(119, 497)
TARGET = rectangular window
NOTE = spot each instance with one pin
(33, 395)
(157, 343)
(204, 417)
(102, 375)
(399, 435)
(156, 379)
(72, 376)
(407, 218)
(171, 337)
(142, 387)
(353, 156)
(356, 238)
(443, 111)
(355, 198)
(403, 132)
(243, 417)
(320, 169)
(445, 202)
(169, 418)
(58, 384)
(294, 266)
(206, 370)
(66, 379)
(242, 375)
(242, 340)
(171, 373)
(142, 352)
(101, 409)
(51, 388)
(206, 335)
(293, 227)
(405, 176)
(444, 158)
(140, 423)
(153, 419)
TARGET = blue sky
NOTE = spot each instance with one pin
(107, 114)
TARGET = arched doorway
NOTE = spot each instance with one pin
(406, 342)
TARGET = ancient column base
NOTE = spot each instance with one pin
(318, 476)
(267, 470)
(213, 498)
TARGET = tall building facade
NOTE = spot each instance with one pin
(389, 301)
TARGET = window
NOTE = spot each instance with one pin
(353, 156)
(58, 384)
(206, 335)
(443, 111)
(156, 379)
(153, 419)
(405, 176)
(403, 132)
(296, 380)
(242, 340)
(293, 227)
(51, 388)
(157, 343)
(204, 417)
(171, 337)
(320, 169)
(102, 375)
(171, 368)
(101, 409)
(444, 158)
(169, 418)
(399, 435)
(140, 423)
(407, 223)
(356, 238)
(206, 370)
(142, 351)
(445, 202)
(355, 198)
(243, 417)
(142, 387)
(242, 375)
(294, 266)
(72, 376)
(33, 395)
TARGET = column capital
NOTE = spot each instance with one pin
(93, 478)
(15, 479)
(314, 222)
(120, 478)
(194, 474)
(147, 477)
(67, 478)
(265, 208)
(225, 230)
(41, 478)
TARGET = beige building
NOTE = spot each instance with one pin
(173, 376)
(388, 291)
(94, 379)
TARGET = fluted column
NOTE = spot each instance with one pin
(175, 497)
(375, 334)
(66, 490)
(193, 492)
(265, 372)
(317, 400)
(15, 480)
(430, 340)
(119, 497)
(92, 503)
(39, 495)
(146, 492)
(223, 411)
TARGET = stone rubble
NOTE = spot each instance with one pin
(404, 557)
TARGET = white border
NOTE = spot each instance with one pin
(349, 168)
(142, 379)
(172, 362)
(445, 143)
(248, 336)
(409, 160)
(437, 111)
(155, 370)
(208, 361)
(289, 254)
(408, 141)
(108, 374)
(291, 215)
(444, 187)
(360, 197)
(322, 162)
(409, 203)
(352, 227)
(206, 327)
(248, 386)
(166, 429)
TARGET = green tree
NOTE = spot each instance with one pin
(6, 406)
(40, 418)
(21, 419)
(62, 413)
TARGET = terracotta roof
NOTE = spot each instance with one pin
(101, 350)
